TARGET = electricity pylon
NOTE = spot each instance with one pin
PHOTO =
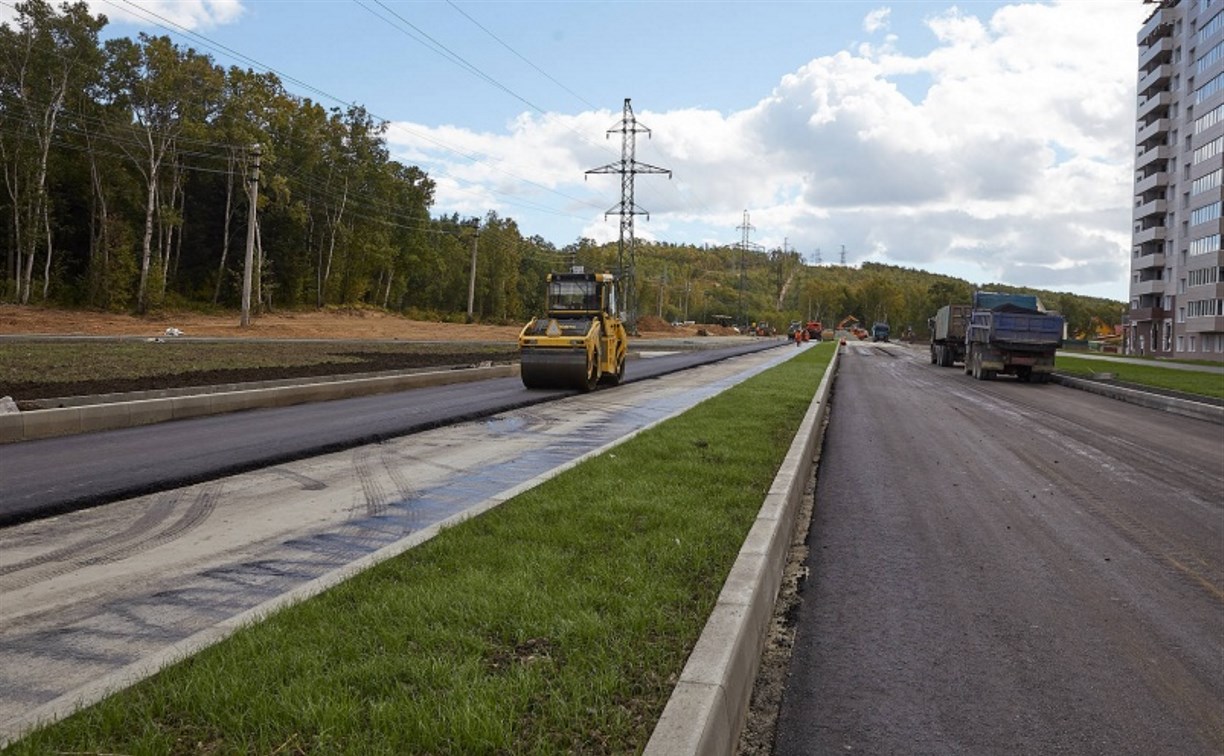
(744, 246)
(628, 167)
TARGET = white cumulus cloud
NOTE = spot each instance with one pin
(876, 20)
(1009, 161)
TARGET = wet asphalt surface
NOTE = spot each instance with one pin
(1007, 568)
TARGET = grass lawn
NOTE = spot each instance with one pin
(557, 622)
(1155, 375)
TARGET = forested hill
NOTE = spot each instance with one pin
(127, 165)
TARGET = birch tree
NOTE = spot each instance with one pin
(43, 59)
(164, 88)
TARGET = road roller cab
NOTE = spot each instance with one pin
(581, 342)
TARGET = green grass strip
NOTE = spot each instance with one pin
(1198, 382)
(558, 622)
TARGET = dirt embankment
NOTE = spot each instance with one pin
(352, 323)
(314, 324)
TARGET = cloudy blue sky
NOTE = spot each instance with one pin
(993, 141)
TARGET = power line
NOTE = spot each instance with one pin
(542, 72)
(171, 26)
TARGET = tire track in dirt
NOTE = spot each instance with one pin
(145, 533)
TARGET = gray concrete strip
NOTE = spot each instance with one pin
(1185, 407)
(48, 423)
(1148, 362)
(709, 705)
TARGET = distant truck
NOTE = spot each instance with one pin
(948, 334)
(1009, 334)
(814, 329)
(879, 332)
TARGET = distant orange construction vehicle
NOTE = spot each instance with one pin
(850, 323)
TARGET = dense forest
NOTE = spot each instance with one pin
(131, 169)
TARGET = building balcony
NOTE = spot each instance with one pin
(1209, 260)
(1141, 314)
(1158, 26)
(1155, 233)
(1158, 128)
(1206, 291)
(1155, 81)
(1150, 156)
(1155, 286)
(1148, 261)
(1149, 105)
(1151, 181)
(1155, 207)
(1160, 50)
(1204, 325)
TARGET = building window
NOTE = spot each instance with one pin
(1168, 336)
(1190, 343)
(1206, 183)
(1204, 246)
(1214, 116)
(1209, 150)
(1208, 59)
(1205, 213)
(1205, 308)
(1181, 314)
(1208, 90)
(1204, 276)
(1211, 27)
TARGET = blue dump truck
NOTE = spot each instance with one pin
(1011, 334)
(879, 331)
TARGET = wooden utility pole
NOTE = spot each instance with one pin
(472, 276)
(249, 263)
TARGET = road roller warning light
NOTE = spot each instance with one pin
(582, 341)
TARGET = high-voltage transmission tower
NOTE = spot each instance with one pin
(628, 167)
(745, 228)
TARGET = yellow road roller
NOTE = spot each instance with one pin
(581, 342)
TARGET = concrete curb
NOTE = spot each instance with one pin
(1198, 410)
(709, 704)
(26, 426)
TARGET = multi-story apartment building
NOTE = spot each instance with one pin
(1177, 263)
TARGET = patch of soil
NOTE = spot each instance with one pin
(353, 323)
(346, 323)
(367, 362)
